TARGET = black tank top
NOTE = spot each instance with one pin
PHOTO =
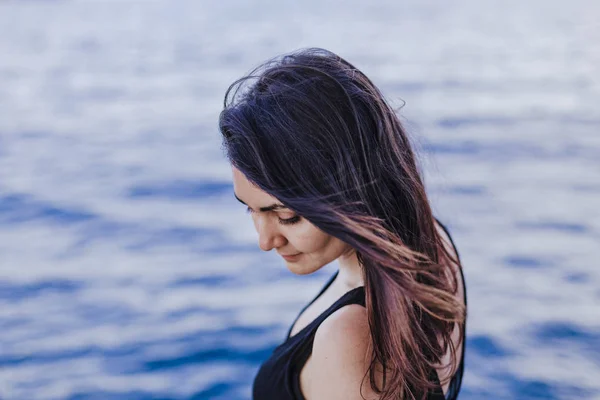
(279, 376)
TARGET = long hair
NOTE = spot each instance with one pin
(314, 132)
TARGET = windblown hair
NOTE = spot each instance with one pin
(314, 132)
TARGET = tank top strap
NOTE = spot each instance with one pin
(456, 382)
(353, 296)
(311, 302)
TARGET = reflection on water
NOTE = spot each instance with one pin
(129, 271)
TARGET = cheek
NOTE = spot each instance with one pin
(309, 239)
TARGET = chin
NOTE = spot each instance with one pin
(299, 269)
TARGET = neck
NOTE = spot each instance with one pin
(350, 275)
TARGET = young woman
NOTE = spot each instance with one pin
(325, 168)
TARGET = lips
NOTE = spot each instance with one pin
(291, 257)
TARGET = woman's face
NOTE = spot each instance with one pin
(281, 229)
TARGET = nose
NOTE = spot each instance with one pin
(269, 236)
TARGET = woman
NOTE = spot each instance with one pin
(327, 172)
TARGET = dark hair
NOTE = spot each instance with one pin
(314, 132)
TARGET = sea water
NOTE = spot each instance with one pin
(129, 271)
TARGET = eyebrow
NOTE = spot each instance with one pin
(272, 207)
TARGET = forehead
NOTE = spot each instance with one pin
(247, 191)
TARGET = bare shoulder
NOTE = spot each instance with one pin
(341, 356)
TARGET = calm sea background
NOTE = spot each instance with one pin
(129, 271)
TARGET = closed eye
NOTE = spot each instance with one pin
(282, 221)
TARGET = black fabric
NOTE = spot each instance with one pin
(278, 377)
(456, 382)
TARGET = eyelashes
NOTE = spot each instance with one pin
(282, 221)
(289, 221)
